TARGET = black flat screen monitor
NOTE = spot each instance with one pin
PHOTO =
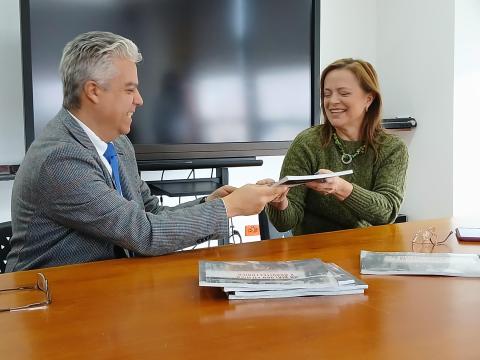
(219, 78)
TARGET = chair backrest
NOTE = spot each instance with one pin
(5, 235)
(401, 218)
(267, 230)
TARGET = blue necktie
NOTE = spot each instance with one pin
(111, 156)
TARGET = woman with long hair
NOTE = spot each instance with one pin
(350, 138)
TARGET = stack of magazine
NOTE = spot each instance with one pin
(411, 263)
(278, 279)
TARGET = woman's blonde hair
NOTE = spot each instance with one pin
(368, 79)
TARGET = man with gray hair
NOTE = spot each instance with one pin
(77, 196)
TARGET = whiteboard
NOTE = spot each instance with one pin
(12, 143)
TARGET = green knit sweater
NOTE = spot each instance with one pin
(378, 187)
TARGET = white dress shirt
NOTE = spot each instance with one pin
(100, 145)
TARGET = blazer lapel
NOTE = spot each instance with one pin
(82, 138)
(76, 131)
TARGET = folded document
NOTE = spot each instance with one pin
(411, 263)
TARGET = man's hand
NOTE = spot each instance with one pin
(221, 192)
(251, 199)
(281, 201)
(336, 186)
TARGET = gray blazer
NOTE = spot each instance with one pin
(65, 208)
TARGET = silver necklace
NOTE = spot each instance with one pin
(346, 157)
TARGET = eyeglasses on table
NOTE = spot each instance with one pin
(40, 285)
(428, 237)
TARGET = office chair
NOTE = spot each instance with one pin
(5, 235)
(267, 230)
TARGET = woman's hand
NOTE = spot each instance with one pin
(336, 186)
(281, 201)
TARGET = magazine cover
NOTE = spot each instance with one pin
(267, 275)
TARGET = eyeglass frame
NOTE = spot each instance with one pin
(433, 235)
(41, 284)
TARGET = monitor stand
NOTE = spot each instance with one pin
(190, 187)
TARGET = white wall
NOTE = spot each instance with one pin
(411, 49)
(348, 29)
(415, 47)
(466, 195)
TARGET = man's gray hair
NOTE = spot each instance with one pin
(90, 57)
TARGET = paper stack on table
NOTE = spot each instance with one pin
(278, 279)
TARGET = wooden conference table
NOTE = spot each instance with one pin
(153, 308)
